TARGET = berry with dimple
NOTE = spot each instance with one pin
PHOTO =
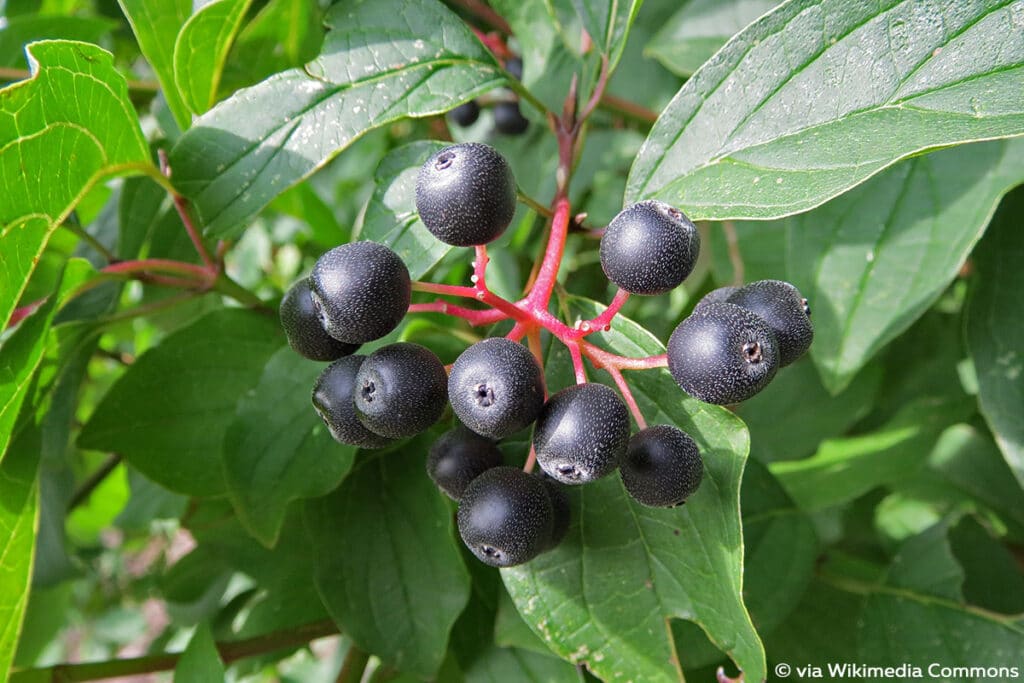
(560, 508)
(505, 517)
(496, 387)
(581, 433)
(458, 457)
(509, 119)
(401, 389)
(781, 305)
(649, 248)
(466, 194)
(662, 466)
(465, 114)
(715, 296)
(361, 291)
(722, 354)
(303, 330)
(333, 401)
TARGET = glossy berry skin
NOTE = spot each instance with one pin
(466, 194)
(401, 389)
(781, 305)
(361, 291)
(722, 354)
(581, 433)
(496, 387)
(465, 114)
(458, 457)
(662, 466)
(303, 330)
(715, 296)
(509, 119)
(332, 399)
(649, 248)
(505, 517)
(560, 507)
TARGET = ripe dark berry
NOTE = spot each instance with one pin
(560, 508)
(722, 354)
(458, 457)
(466, 194)
(781, 305)
(401, 389)
(361, 291)
(302, 327)
(496, 387)
(332, 399)
(465, 114)
(662, 466)
(514, 67)
(715, 296)
(581, 433)
(649, 248)
(509, 119)
(505, 517)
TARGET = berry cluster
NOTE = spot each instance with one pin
(725, 352)
(508, 118)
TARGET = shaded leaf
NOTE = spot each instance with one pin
(19, 31)
(200, 50)
(200, 662)
(511, 665)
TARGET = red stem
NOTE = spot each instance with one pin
(602, 322)
(531, 459)
(517, 332)
(627, 396)
(605, 359)
(181, 206)
(473, 317)
(540, 295)
(203, 275)
(577, 363)
(23, 312)
(448, 290)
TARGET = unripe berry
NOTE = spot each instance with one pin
(662, 466)
(333, 401)
(401, 389)
(782, 307)
(465, 114)
(722, 354)
(496, 387)
(361, 291)
(505, 517)
(466, 194)
(509, 119)
(302, 327)
(581, 433)
(458, 457)
(649, 248)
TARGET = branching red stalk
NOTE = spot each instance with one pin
(189, 270)
(181, 206)
(627, 396)
(577, 363)
(473, 317)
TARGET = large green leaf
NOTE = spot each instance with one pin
(372, 70)
(387, 566)
(606, 594)
(19, 501)
(201, 48)
(608, 22)
(42, 119)
(277, 449)
(819, 95)
(873, 260)
(995, 328)
(512, 665)
(167, 415)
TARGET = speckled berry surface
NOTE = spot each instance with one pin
(662, 466)
(722, 354)
(781, 305)
(332, 399)
(649, 248)
(505, 517)
(466, 194)
(361, 291)
(581, 433)
(496, 387)
(458, 457)
(401, 389)
(560, 508)
(303, 330)
(715, 296)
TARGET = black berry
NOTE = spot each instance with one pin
(496, 387)
(722, 354)
(332, 399)
(466, 194)
(401, 389)
(302, 327)
(514, 67)
(458, 457)
(560, 508)
(505, 517)
(581, 433)
(649, 248)
(465, 114)
(662, 466)
(509, 119)
(715, 296)
(361, 291)
(781, 305)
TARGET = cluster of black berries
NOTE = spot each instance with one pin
(466, 195)
(508, 118)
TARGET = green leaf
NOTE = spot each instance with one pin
(167, 415)
(264, 139)
(993, 578)
(156, 24)
(18, 512)
(606, 594)
(995, 328)
(277, 449)
(19, 31)
(391, 216)
(388, 526)
(41, 120)
(608, 22)
(817, 96)
(873, 260)
(699, 29)
(512, 665)
(201, 48)
(925, 563)
(200, 662)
